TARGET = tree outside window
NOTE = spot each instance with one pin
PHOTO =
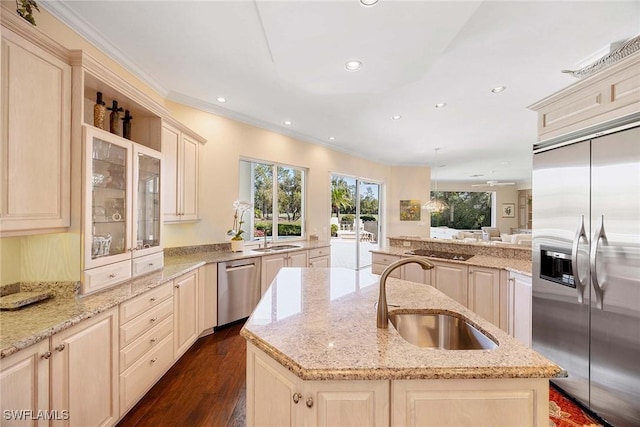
(277, 193)
(468, 210)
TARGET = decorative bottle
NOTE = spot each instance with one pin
(114, 118)
(99, 111)
(126, 125)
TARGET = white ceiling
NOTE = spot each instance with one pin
(284, 60)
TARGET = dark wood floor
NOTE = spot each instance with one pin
(206, 387)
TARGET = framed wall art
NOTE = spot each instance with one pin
(410, 210)
(508, 210)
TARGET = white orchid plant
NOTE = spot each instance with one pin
(239, 207)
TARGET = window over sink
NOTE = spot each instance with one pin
(277, 193)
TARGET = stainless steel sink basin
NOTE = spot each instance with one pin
(283, 247)
(440, 331)
(276, 248)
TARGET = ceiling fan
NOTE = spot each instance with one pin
(493, 184)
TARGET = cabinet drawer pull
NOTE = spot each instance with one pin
(154, 360)
(153, 340)
(150, 264)
(60, 347)
(152, 299)
(153, 319)
(296, 398)
(309, 402)
(46, 355)
(178, 286)
(112, 275)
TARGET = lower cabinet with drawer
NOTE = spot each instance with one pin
(146, 343)
(320, 257)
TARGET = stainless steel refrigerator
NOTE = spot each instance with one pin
(586, 267)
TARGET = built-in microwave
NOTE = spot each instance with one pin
(555, 265)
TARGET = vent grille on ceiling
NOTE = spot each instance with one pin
(627, 48)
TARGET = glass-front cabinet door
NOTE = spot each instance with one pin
(107, 183)
(147, 226)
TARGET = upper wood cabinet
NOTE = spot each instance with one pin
(122, 221)
(36, 139)
(608, 95)
(181, 175)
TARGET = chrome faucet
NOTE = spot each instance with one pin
(264, 245)
(383, 311)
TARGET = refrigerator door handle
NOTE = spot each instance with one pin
(580, 234)
(598, 287)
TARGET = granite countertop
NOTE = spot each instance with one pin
(321, 325)
(22, 328)
(505, 263)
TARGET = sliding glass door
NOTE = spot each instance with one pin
(355, 221)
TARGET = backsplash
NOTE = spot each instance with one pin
(512, 252)
(188, 250)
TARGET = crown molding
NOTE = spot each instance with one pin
(11, 21)
(62, 11)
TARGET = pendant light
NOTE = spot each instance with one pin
(435, 205)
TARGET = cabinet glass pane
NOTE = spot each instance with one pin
(148, 194)
(109, 179)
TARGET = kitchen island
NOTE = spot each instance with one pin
(316, 357)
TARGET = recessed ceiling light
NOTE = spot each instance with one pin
(396, 117)
(353, 65)
(441, 105)
(476, 175)
(368, 2)
(221, 99)
(498, 89)
(332, 138)
(287, 122)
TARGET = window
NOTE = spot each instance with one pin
(277, 194)
(468, 210)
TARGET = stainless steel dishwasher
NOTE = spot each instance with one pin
(238, 289)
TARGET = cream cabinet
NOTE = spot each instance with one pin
(146, 342)
(320, 257)
(271, 265)
(478, 402)
(207, 297)
(73, 376)
(36, 139)
(122, 221)
(609, 94)
(185, 312)
(451, 279)
(484, 293)
(84, 371)
(381, 261)
(181, 175)
(24, 384)
(415, 273)
(276, 396)
(519, 307)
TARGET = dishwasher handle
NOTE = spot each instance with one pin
(240, 267)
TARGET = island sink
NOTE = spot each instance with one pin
(439, 331)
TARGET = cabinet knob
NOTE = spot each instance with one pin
(177, 286)
(154, 360)
(60, 347)
(152, 299)
(150, 264)
(46, 355)
(112, 275)
(153, 340)
(309, 402)
(153, 319)
(296, 397)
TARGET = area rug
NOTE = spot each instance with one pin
(565, 413)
